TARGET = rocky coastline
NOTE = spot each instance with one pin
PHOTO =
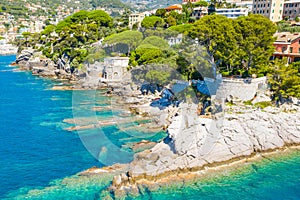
(34, 61)
(244, 136)
(195, 144)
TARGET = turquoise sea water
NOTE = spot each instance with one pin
(37, 154)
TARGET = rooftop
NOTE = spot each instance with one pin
(286, 36)
(174, 7)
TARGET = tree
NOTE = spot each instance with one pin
(161, 12)
(297, 19)
(171, 21)
(156, 42)
(26, 35)
(201, 3)
(182, 28)
(152, 22)
(130, 38)
(158, 77)
(216, 33)
(255, 40)
(187, 10)
(284, 79)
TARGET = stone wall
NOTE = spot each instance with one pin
(244, 89)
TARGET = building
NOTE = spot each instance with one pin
(115, 68)
(176, 8)
(272, 9)
(245, 4)
(175, 40)
(291, 9)
(137, 18)
(287, 45)
(199, 12)
(232, 12)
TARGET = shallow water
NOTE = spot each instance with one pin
(37, 154)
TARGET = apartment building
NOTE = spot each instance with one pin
(291, 9)
(272, 9)
(232, 12)
(137, 18)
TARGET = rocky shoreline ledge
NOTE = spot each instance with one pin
(244, 136)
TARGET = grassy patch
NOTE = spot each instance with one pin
(263, 104)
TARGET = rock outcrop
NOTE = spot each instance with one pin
(195, 142)
(34, 61)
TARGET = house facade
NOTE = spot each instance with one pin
(199, 12)
(287, 45)
(114, 68)
(272, 9)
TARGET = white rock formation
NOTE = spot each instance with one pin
(194, 141)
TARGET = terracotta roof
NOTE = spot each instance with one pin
(286, 36)
(174, 7)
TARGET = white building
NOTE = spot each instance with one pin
(232, 12)
(115, 68)
(245, 4)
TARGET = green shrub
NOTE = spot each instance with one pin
(225, 73)
(248, 103)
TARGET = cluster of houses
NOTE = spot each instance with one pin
(12, 27)
(241, 8)
(275, 10)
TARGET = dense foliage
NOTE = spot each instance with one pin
(212, 44)
(72, 37)
(236, 46)
(284, 79)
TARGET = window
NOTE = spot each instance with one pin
(291, 49)
(299, 50)
(267, 11)
(299, 42)
(272, 11)
(283, 49)
(280, 11)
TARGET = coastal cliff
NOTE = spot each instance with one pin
(195, 143)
